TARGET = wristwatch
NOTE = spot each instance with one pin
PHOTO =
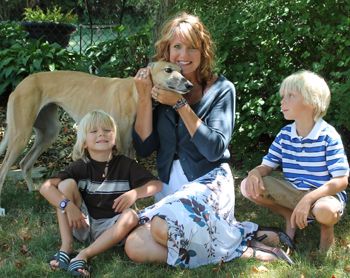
(180, 103)
(63, 205)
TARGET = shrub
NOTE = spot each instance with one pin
(51, 15)
(23, 57)
(10, 33)
(259, 43)
(123, 55)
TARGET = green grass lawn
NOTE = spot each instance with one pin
(29, 236)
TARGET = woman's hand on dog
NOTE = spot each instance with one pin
(143, 83)
(164, 96)
(145, 89)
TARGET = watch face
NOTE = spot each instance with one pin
(63, 204)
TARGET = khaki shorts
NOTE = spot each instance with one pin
(286, 195)
(95, 226)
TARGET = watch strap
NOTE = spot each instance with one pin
(63, 204)
(180, 103)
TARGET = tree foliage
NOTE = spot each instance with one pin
(20, 56)
(259, 43)
(123, 56)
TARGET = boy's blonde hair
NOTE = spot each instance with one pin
(313, 89)
(90, 121)
(193, 31)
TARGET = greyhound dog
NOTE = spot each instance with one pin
(34, 105)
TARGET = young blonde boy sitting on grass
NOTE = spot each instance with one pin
(311, 155)
(93, 194)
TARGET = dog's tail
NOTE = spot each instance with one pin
(3, 143)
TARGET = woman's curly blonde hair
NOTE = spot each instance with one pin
(191, 29)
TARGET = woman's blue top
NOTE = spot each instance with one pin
(208, 147)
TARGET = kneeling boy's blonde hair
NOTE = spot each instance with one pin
(90, 121)
(312, 87)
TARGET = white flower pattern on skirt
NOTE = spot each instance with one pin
(202, 228)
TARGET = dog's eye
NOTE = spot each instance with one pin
(168, 70)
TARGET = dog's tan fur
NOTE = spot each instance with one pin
(34, 104)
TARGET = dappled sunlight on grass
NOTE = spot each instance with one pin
(29, 236)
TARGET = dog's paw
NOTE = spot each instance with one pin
(2, 212)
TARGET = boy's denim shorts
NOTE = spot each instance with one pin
(286, 195)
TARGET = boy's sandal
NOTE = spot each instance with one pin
(74, 266)
(62, 258)
(277, 252)
(284, 239)
(310, 220)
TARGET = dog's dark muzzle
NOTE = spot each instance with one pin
(185, 87)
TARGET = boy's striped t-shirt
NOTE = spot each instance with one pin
(309, 162)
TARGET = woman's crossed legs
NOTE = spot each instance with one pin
(148, 243)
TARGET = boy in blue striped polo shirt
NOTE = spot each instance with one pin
(311, 155)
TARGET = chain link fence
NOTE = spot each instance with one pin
(73, 37)
(87, 35)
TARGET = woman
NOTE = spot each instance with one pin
(193, 223)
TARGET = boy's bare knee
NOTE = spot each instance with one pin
(325, 214)
(129, 217)
(67, 185)
(258, 199)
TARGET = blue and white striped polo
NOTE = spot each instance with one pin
(311, 161)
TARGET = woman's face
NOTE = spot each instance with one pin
(183, 54)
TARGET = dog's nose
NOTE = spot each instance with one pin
(188, 85)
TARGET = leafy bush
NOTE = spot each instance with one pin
(259, 43)
(10, 33)
(121, 56)
(23, 57)
(51, 15)
(118, 57)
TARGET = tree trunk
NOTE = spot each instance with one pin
(162, 15)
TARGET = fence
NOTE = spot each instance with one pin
(73, 38)
(87, 35)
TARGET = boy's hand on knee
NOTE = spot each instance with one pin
(76, 219)
(254, 184)
(125, 201)
(300, 214)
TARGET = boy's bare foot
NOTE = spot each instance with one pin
(326, 238)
